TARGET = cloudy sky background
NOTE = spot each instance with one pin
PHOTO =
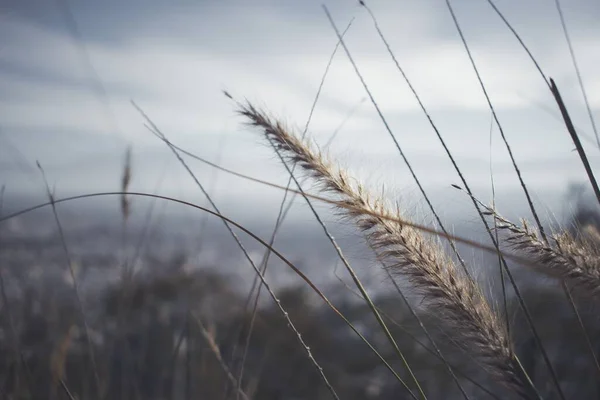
(174, 59)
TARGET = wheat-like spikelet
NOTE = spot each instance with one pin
(125, 181)
(591, 237)
(577, 262)
(456, 297)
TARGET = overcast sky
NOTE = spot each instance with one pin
(174, 58)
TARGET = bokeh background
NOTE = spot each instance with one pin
(69, 71)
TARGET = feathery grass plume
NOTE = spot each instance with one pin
(576, 262)
(433, 351)
(591, 236)
(393, 137)
(407, 253)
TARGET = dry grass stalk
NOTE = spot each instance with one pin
(208, 334)
(456, 297)
(59, 357)
(576, 262)
(125, 181)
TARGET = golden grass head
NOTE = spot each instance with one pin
(405, 251)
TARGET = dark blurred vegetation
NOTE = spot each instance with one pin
(151, 336)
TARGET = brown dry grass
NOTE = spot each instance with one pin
(576, 262)
(456, 297)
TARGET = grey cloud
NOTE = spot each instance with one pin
(269, 46)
